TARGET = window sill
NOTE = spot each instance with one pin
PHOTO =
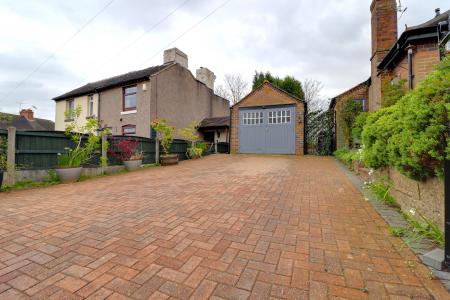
(68, 120)
(128, 112)
(91, 117)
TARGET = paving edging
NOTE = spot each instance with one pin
(394, 219)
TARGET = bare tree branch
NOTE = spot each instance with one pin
(234, 88)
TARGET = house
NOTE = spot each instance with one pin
(407, 58)
(25, 121)
(128, 103)
(268, 120)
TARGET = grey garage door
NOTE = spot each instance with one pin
(269, 130)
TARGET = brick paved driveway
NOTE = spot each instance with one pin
(225, 226)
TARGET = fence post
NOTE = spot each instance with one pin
(216, 139)
(156, 150)
(104, 156)
(11, 156)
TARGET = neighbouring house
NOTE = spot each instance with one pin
(409, 57)
(25, 121)
(268, 120)
(128, 103)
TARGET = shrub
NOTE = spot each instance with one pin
(350, 110)
(358, 125)
(3, 151)
(127, 150)
(347, 156)
(83, 151)
(411, 134)
(164, 133)
(190, 134)
(393, 92)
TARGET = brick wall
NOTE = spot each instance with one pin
(361, 91)
(267, 95)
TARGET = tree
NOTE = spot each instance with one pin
(235, 88)
(288, 83)
(312, 90)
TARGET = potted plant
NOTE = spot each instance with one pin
(164, 133)
(3, 161)
(129, 154)
(70, 163)
(190, 134)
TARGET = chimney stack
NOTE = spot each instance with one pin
(175, 55)
(437, 11)
(27, 114)
(206, 76)
(384, 36)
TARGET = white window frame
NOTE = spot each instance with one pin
(280, 116)
(91, 106)
(70, 108)
(253, 118)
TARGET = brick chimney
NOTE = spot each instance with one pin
(175, 55)
(384, 36)
(27, 114)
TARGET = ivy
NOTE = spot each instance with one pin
(350, 110)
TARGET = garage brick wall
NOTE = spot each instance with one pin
(268, 95)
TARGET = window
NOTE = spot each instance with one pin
(363, 104)
(129, 98)
(128, 129)
(280, 117)
(70, 109)
(253, 118)
(90, 105)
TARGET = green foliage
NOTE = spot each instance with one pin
(164, 133)
(51, 179)
(319, 132)
(288, 83)
(397, 231)
(3, 153)
(350, 111)
(411, 134)
(393, 92)
(358, 126)
(347, 156)
(85, 137)
(420, 228)
(190, 134)
(381, 190)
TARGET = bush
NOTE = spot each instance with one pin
(393, 92)
(350, 110)
(411, 134)
(358, 126)
(347, 156)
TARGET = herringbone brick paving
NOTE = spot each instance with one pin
(232, 227)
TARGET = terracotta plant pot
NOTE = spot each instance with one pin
(132, 165)
(168, 160)
(69, 174)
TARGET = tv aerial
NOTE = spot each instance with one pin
(400, 9)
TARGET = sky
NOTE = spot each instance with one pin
(49, 47)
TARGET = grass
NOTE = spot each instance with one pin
(418, 227)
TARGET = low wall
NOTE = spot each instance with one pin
(426, 198)
(40, 175)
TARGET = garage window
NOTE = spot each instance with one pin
(253, 118)
(280, 117)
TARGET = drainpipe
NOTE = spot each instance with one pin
(305, 122)
(229, 133)
(410, 68)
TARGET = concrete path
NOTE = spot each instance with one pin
(232, 227)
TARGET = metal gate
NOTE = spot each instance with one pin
(267, 130)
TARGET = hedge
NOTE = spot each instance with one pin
(411, 134)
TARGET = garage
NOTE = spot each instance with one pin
(268, 121)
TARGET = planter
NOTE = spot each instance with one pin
(69, 174)
(132, 165)
(168, 160)
(1, 178)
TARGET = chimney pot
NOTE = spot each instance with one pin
(437, 11)
(27, 114)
